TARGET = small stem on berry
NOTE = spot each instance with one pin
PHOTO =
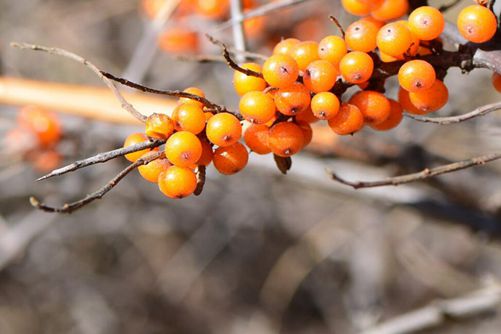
(338, 25)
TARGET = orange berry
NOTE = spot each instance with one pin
(151, 7)
(286, 139)
(405, 102)
(248, 83)
(356, 67)
(393, 119)
(152, 170)
(159, 126)
(293, 99)
(394, 39)
(223, 129)
(325, 105)
(286, 46)
(208, 115)
(179, 40)
(390, 10)
(361, 35)
(280, 70)
(230, 159)
(189, 117)
(304, 53)
(356, 7)
(256, 137)
(307, 132)
(332, 48)
(194, 91)
(320, 76)
(43, 123)
(477, 23)
(177, 182)
(374, 106)
(183, 149)
(207, 153)
(431, 99)
(416, 75)
(348, 120)
(213, 9)
(257, 107)
(306, 116)
(254, 26)
(426, 23)
(496, 81)
(133, 139)
(387, 58)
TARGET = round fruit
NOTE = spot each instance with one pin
(304, 53)
(374, 106)
(477, 23)
(394, 39)
(230, 159)
(496, 81)
(393, 119)
(223, 129)
(246, 83)
(189, 117)
(256, 138)
(348, 120)
(159, 126)
(432, 99)
(280, 70)
(391, 10)
(416, 75)
(286, 139)
(332, 48)
(257, 107)
(361, 35)
(286, 46)
(152, 170)
(356, 67)
(320, 76)
(43, 123)
(426, 23)
(177, 182)
(325, 105)
(194, 91)
(133, 139)
(293, 99)
(183, 149)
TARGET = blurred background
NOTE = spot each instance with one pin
(258, 252)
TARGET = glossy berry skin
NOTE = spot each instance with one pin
(207, 153)
(390, 10)
(256, 138)
(325, 105)
(356, 7)
(405, 102)
(348, 120)
(374, 106)
(426, 23)
(159, 126)
(293, 99)
(496, 81)
(332, 48)
(394, 39)
(133, 139)
(393, 120)
(257, 107)
(307, 132)
(152, 170)
(432, 99)
(280, 70)
(286, 46)
(356, 67)
(320, 76)
(213, 9)
(306, 116)
(247, 83)
(416, 75)
(477, 23)
(223, 129)
(177, 182)
(183, 149)
(286, 139)
(361, 35)
(304, 53)
(194, 91)
(43, 123)
(189, 117)
(230, 159)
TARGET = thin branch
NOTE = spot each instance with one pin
(424, 174)
(102, 157)
(238, 29)
(481, 111)
(338, 25)
(63, 53)
(71, 207)
(201, 58)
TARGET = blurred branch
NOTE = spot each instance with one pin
(238, 29)
(480, 111)
(219, 58)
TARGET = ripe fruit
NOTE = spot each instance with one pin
(374, 106)
(183, 149)
(325, 105)
(177, 182)
(213, 9)
(43, 123)
(194, 91)
(405, 102)
(356, 7)
(189, 117)
(320, 76)
(286, 46)
(390, 10)
(426, 23)
(416, 75)
(247, 83)
(306, 116)
(307, 132)
(152, 170)
(293, 99)
(348, 120)
(159, 126)
(179, 40)
(280, 70)
(356, 67)
(361, 35)
(230, 159)
(477, 23)
(332, 48)
(394, 39)
(256, 137)
(432, 99)
(286, 139)
(393, 119)
(257, 107)
(496, 81)
(207, 153)
(223, 129)
(304, 53)
(133, 139)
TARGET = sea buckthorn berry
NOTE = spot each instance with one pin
(426, 23)
(356, 67)
(280, 70)
(286, 46)
(43, 123)
(189, 117)
(393, 119)
(416, 75)
(320, 76)
(248, 83)
(348, 120)
(361, 35)
(477, 23)
(325, 105)
(194, 91)
(306, 116)
(405, 102)
(159, 126)
(389, 59)
(293, 99)
(394, 39)
(223, 129)
(432, 99)
(183, 149)
(256, 138)
(213, 9)
(152, 170)
(307, 132)
(257, 107)
(179, 40)
(332, 48)
(133, 139)
(496, 81)
(304, 53)
(177, 182)
(207, 153)
(356, 7)
(208, 115)
(230, 159)
(390, 10)
(374, 106)
(286, 139)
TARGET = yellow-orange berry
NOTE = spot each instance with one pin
(257, 107)
(213, 9)
(393, 119)
(405, 102)
(394, 39)
(356, 67)
(207, 153)
(280, 70)
(431, 99)
(304, 53)
(43, 123)
(416, 75)
(152, 170)
(230, 159)
(361, 35)
(348, 120)
(390, 10)
(332, 48)
(374, 106)
(293, 99)
(183, 149)
(133, 139)
(320, 76)
(356, 7)
(189, 117)
(177, 182)
(306, 116)
(477, 23)
(223, 129)
(286, 139)
(426, 23)
(247, 83)
(286, 46)
(307, 132)
(159, 126)
(496, 81)
(179, 40)
(256, 138)
(194, 91)
(325, 105)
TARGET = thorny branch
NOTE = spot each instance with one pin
(480, 111)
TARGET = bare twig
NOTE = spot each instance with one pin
(338, 25)
(481, 111)
(71, 207)
(63, 53)
(238, 29)
(424, 174)
(219, 58)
